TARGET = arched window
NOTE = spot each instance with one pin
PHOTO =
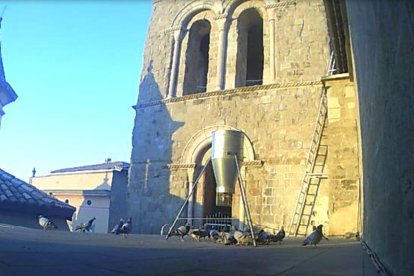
(250, 58)
(196, 58)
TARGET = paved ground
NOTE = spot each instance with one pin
(35, 252)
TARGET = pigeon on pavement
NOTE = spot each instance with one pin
(227, 238)
(117, 228)
(197, 234)
(85, 227)
(181, 231)
(243, 238)
(46, 223)
(214, 235)
(263, 237)
(279, 236)
(315, 237)
(126, 228)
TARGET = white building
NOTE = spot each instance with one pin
(95, 190)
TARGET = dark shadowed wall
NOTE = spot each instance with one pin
(382, 36)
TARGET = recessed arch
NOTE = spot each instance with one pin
(236, 64)
(183, 17)
(197, 58)
(197, 55)
(234, 8)
(250, 56)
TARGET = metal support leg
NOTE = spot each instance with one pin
(244, 197)
(186, 200)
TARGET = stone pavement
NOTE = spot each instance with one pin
(34, 252)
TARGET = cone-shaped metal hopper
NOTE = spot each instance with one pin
(225, 144)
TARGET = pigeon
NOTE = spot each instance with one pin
(315, 237)
(279, 236)
(117, 228)
(237, 234)
(226, 238)
(181, 231)
(214, 235)
(85, 227)
(46, 223)
(263, 237)
(243, 238)
(197, 234)
(126, 228)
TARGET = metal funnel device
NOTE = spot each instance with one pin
(225, 144)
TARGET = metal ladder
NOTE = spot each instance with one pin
(313, 174)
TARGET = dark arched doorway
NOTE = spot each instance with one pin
(206, 199)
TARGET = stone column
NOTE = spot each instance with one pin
(175, 61)
(272, 46)
(221, 52)
(242, 213)
(190, 205)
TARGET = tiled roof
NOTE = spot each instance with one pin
(103, 166)
(19, 196)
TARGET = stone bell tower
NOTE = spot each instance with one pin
(260, 67)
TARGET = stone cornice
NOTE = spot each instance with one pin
(254, 163)
(280, 4)
(177, 166)
(239, 90)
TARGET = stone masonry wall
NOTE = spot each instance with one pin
(300, 42)
(279, 122)
(278, 117)
(338, 202)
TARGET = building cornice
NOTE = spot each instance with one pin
(176, 166)
(280, 4)
(235, 91)
(181, 166)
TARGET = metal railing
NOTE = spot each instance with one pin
(219, 221)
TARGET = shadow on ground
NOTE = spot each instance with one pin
(35, 252)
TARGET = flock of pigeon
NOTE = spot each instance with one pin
(235, 236)
(238, 237)
(122, 227)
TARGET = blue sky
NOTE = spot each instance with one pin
(76, 68)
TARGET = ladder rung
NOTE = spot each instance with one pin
(319, 175)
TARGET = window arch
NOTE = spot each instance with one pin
(250, 57)
(197, 58)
